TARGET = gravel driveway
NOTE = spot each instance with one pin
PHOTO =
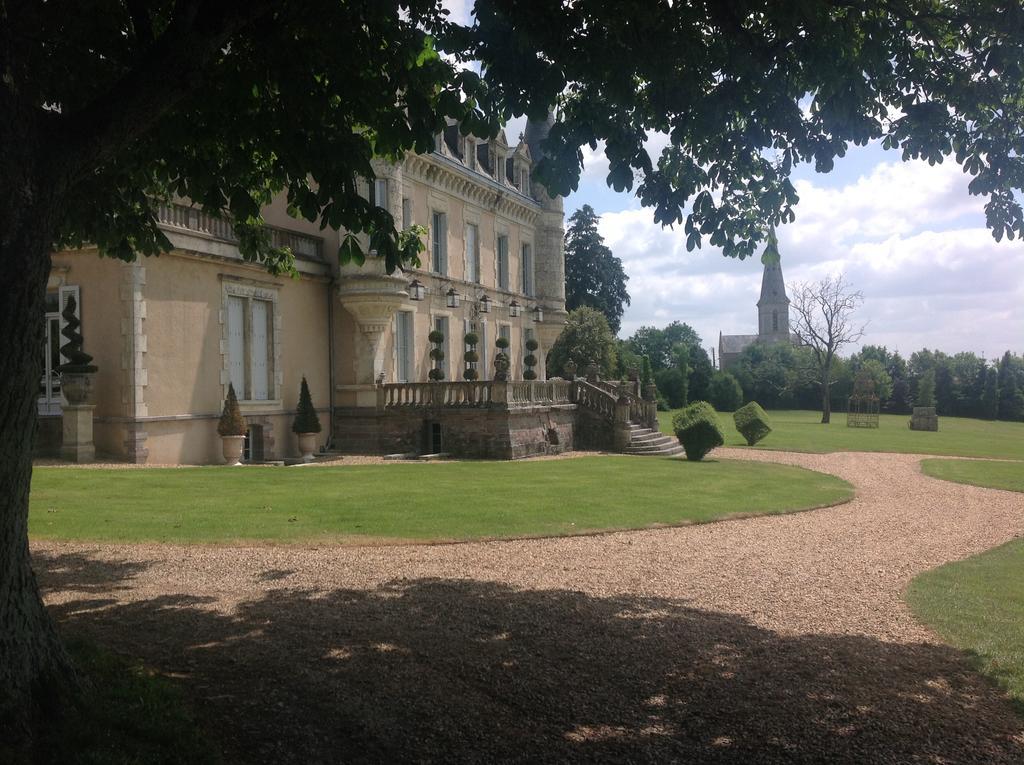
(770, 639)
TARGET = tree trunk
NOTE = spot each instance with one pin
(35, 672)
(826, 399)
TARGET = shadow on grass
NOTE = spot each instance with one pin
(469, 671)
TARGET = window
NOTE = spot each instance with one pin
(406, 212)
(524, 180)
(441, 325)
(49, 383)
(775, 321)
(470, 155)
(379, 192)
(472, 253)
(404, 342)
(439, 243)
(482, 349)
(510, 170)
(502, 253)
(527, 270)
(250, 347)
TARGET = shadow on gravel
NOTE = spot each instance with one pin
(468, 671)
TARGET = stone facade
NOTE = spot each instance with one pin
(169, 334)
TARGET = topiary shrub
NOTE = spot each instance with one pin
(529, 374)
(469, 373)
(78, 361)
(501, 342)
(306, 420)
(472, 338)
(472, 357)
(532, 345)
(697, 429)
(231, 422)
(436, 374)
(437, 354)
(530, 361)
(436, 336)
(752, 422)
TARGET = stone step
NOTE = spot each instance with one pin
(433, 457)
(645, 437)
(667, 451)
(652, 446)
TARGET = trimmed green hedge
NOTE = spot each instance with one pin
(697, 429)
(752, 422)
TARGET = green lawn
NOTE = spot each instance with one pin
(995, 475)
(978, 605)
(802, 431)
(439, 501)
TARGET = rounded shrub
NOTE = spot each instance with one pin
(532, 345)
(436, 374)
(697, 429)
(529, 374)
(472, 338)
(436, 336)
(752, 422)
(501, 342)
(530, 360)
(472, 357)
(469, 373)
(437, 354)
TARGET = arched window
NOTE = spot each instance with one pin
(775, 321)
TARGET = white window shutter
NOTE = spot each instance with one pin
(236, 345)
(260, 351)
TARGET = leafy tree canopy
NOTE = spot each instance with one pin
(586, 338)
(593, 275)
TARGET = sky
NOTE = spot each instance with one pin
(906, 234)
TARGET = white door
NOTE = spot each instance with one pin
(260, 349)
(236, 345)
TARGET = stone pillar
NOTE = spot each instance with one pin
(499, 393)
(77, 425)
(621, 432)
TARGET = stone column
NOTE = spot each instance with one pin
(621, 432)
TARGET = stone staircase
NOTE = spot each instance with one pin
(647, 442)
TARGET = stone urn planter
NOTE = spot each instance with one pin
(307, 445)
(231, 448)
(77, 387)
(231, 429)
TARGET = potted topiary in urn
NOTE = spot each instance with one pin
(307, 424)
(77, 372)
(231, 429)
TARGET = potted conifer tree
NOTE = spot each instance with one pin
(307, 424)
(77, 373)
(231, 429)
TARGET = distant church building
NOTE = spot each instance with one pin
(772, 313)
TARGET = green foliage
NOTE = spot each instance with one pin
(1005, 475)
(646, 375)
(725, 393)
(697, 429)
(926, 389)
(436, 374)
(990, 396)
(1011, 399)
(585, 338)
(752, 422)
(471, 338)
(532, 345)
(501, 342)
(671, 386)
(470, 374)
(471, 357)
(530, 360)
(593, 276)
(231, 422)
(436, 336)
(529, 374)
(78, 362)
(437, 354)
(306, 419)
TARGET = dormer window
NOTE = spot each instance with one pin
(524, 180)
(469, 157)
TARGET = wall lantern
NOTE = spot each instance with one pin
(538, 314)
(416, 290)
(513, 309)
(485, 304)
(452, 298)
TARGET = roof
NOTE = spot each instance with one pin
(735, 343)
(773, 287)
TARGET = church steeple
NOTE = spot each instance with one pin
(773, 305)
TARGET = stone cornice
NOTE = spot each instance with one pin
(444, 174)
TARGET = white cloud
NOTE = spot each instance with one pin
(906, 234)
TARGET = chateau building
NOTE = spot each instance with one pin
(170, 333)
(772, 318)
